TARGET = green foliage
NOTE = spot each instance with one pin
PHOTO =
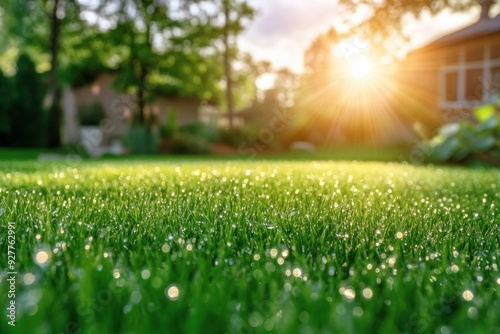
(383, 26)
(189, 145)
(76, 151)
(237, 136)
(6, 94)
(83, 72)
(467, 141)
(27, 117)
(144, 68)
(141, 139)
(91, 114)
(167, 130)
(199, 130)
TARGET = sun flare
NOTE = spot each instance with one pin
(361, 68)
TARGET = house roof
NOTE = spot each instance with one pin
(481, 28)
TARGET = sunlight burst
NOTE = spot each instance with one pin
(361, 67)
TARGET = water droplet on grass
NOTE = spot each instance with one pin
(172, 292)
(468, 295)
(255, 319)
(357, 312)
(127, 308)
(136, 297)
(297, 272)
(145, 274)
(367, 293)
(472, 313)
(42, 257)
(29, 278)
(349, 294)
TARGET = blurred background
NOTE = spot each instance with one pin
(93, 78)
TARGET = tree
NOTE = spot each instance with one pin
(386, 16)
(158, 51)
(5, 109)
(193, 33)
(319, 54)
(27, 118)
(240, 10)
(254, 70)
(276, 103)
(54, 128)
(228, 19)
(38, 27)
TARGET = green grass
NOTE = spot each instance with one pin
(251, 246)
(7, 154)
(360, 153)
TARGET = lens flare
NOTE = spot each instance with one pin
(361, 67)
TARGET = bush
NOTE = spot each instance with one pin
(141, 139)
(27, 117)
(91, 114)
(76, 151)
(467, 142)
(185, 144)
(167, 130)
(200, 130)
(235, 137)
(5, 109)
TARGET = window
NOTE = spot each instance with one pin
(495, 79)
(451, 86)
(474, 84)
(469, 75)
(495, 50)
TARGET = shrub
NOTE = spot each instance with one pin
(27, 117)
(76, 151)
(185, 144)
(167, 130)
(466, 141)
(235, 137)
(141, 139)
(91, 114)
(200, 130)
(5, 109)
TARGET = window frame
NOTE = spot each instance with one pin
(461, 68)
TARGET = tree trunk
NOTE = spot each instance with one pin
(54, 126)
(485, 8)
(227, 65)
(143, 76)
(141, 96)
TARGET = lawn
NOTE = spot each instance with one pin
(209, 246)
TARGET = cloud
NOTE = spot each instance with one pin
(283, 29)
(291, 19)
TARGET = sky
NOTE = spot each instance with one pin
(283, 29)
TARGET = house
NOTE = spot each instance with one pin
(454, 73)
(117, 109)
(212, 115)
